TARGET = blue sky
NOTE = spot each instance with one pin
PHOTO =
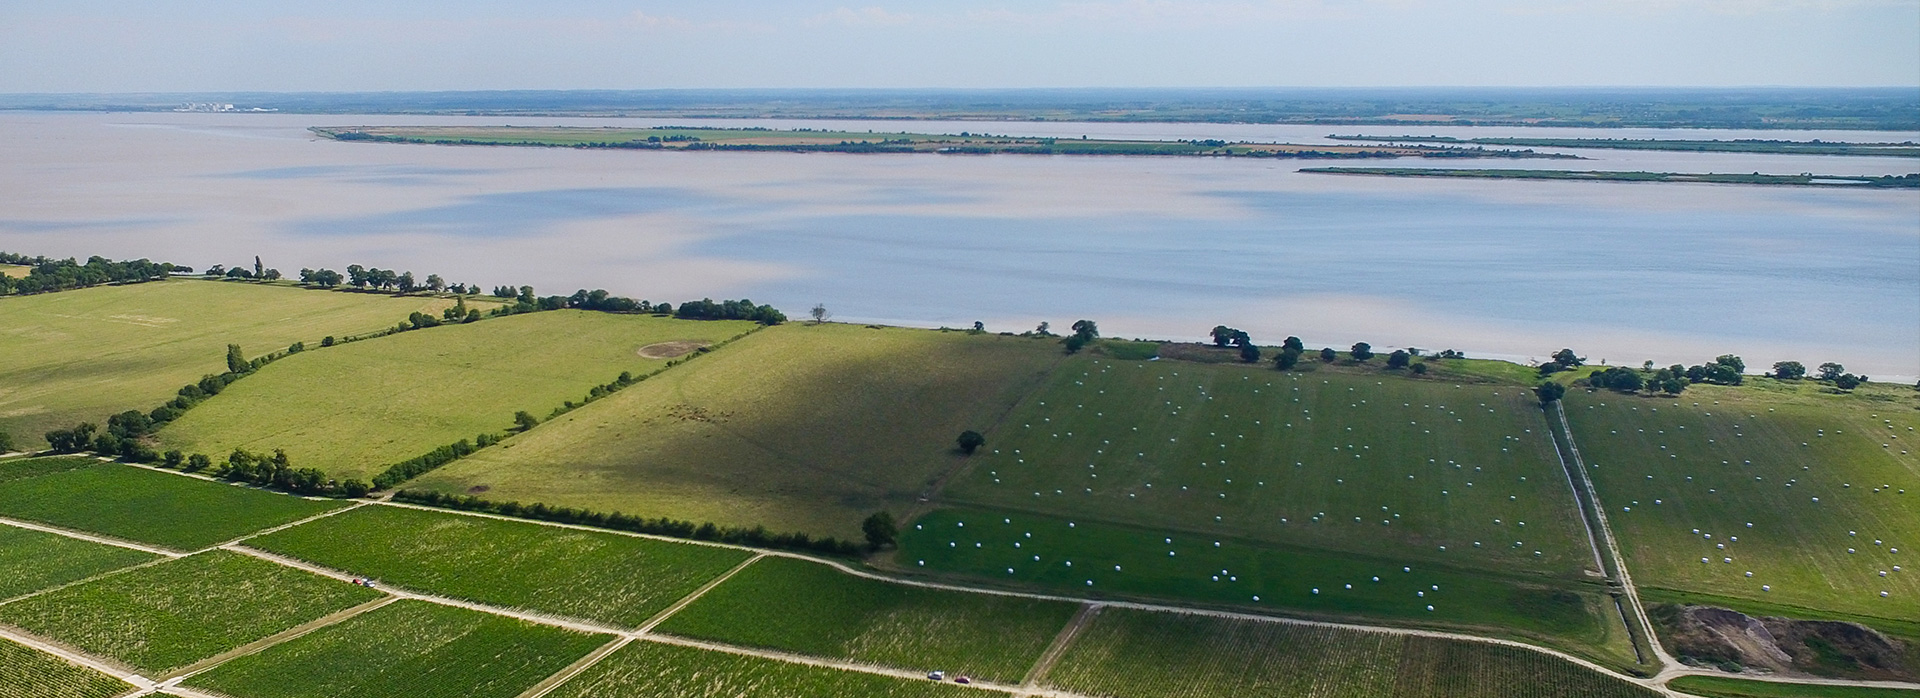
(233, 45)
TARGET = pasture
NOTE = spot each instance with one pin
(810, 608)
(1413, 470)
(167, 616)
(352, 410)
(1725, 687)
(407, 649)
(86, 354)
(1780, 495)
(142, 505)
(32, 560)
(1104, 560)
(1138, 654)
(27, 673)
(614, 579)
(655, 670)
(18, 271)
(797, 427)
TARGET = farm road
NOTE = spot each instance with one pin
(143, 684)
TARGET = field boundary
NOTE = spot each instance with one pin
(141, 684)
(1058, 648)
(580, 666)
(91, 537)
(688, 600)
(265, 643)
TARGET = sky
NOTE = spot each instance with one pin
(379, 45)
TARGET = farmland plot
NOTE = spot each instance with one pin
(407, 649)
(150, 507)
(22, 468)
(167, 616)
(26, 673)
(615, 579)
(809, 608)
(32, 560)
(653, 670)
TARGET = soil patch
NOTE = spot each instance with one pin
(673, 349)
(1736, 641)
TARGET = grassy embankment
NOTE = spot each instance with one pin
(1778, 147)
(1911, 181)
(797, 427)
(83, 355)
(353, 410)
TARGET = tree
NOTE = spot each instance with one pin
(6, 442)
(1731, 361)
(1789, 370)
(1399, 359)
(259, 270)
(1831, 371)
(1625, 380)
(236, 362)
(270, 275)
(1361, 351)
(1288, 358)
(1044, 330)
(1420, 369)
(880, 530)
(1249, 353)
(1566, 358)
(356, 276)
(970, 441)
(1848, 381)
(1328, 355)
(1075, 342)
(435, 283)
(819, 313)
(979, 327)
(72, 440)
(1295, 344)
(406, 283)
(525, 420)
(1086, 328)
(1550, 392)
(198, 461)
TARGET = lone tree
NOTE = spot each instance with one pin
(880, 529)
(1328, 355)
(819, 313)
(1249, 353)
(1288, 358)
(236, 361)
(1789, 370)
(1362, 351)
(1831, 371)
(979, 327)
(970, 441)
(1550, 392)
(1086, 328)
(1399, 359)
(525, 420)
(1568, 359)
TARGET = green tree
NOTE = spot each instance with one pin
(1075, 342)
(1831, 371)
(6, 443)
(1789, 370)
(1550, 392)
(1848, 381)
(236, 362)
(435, 283)
(1295, 344)
(1361, 351)
(819, 313)
(1086, 328)
(525, 420)
(880, 530)
(1568, 359)
(1287, 359)
(1731, 361)
(1249, 353)
(979, 327)
(198, 461)
(1399, 359)
(970, 441)
(1328, 355)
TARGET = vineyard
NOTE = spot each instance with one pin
(615, 579)
(22, 468)
(151, 507)
(652, 670)
(170, 615)
(1138, 654)
(31, 560)
(25, 673)
(804, 607)
(1722, 687)
(407, 649)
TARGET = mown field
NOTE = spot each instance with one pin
(797, 427)
(1138, 654)
(32, 560)
(1809, 493)
(1722, 687)
(810, 608)
(613, 579)
(353, 410)
(150, 507)
(26, 673)
(407, 649)
(654, 670)
(167, 616)
(1110, 560)
(1410, 470)
(83, 355)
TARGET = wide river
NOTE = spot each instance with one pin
(1148, 246)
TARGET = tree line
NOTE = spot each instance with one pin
(47, 275)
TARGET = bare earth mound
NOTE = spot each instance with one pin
(1734, 640)
(673, 349)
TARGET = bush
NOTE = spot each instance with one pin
(1399, 359)
(970, 441)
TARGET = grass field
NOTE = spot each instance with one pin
(653, 670)
(167, 616)
(809, 608)
(353, 410)
(407, 649)
(31, 560)
(614, 579)
(22, 468)
(150, 507)
(798, 427)
(1722, 687)
(18, 271)
(82, 355)
(1138, 654)
(1400, 468)
(1732, 475)
(26, 673)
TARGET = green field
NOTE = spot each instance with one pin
(1723, 687)
(167, 616)
(31, 560)
(614, 579)
(407, 649)
(18, 271)
(1733, 474)
(653, 670)
(82, 355)
(25, 673)
(23, 468)
(1138, 654)
(1392, 466)
(353, 410)
(150, 507)
(797, 427)
(809, 608)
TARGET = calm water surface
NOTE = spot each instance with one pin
(1164, 247)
